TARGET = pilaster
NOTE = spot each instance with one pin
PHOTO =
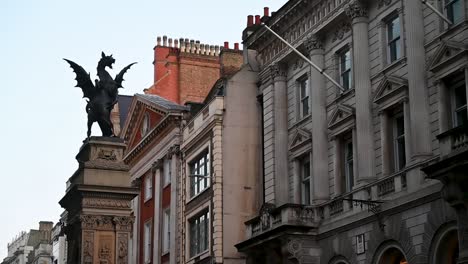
(320, 189)
(279, 74)
(364, 136)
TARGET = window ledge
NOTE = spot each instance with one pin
(390, 67)
(198, 194)
(199, 256)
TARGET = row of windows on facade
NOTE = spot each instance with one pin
(456, 86)
(165, 236)
(199, 181)
(198, 235)
(454, 12)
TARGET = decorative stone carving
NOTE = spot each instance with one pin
(109, 203)
(355, 10)
(96, 222)
(158, 164)
(174, 150)
(107, 154)
(265, 213)
(136, 183)
(384, 3)
(88, 247)
(294, 248)
(342, 29)
(278, 70)
(298, 64)
(123, 223)
(122, 248)
(105, 254)
(313, 43)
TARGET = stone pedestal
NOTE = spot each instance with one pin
(98, 220)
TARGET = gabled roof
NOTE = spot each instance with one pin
(161, 102)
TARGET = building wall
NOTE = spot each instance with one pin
(320, 30)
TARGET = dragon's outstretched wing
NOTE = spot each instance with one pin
(119, 78)
(83, 80)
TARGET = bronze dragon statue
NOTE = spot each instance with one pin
(102, 95)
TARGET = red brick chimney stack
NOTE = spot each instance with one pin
(257, 20)
(266, 11)
(249, 20)
(226, 44)
(236, 46)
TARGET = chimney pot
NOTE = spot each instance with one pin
(170, 42)
(249, 20)
(176, 43)
(164, 41)
(236, 46)
(257, 19)
(266, 11)
(158, 41)
(226, 44)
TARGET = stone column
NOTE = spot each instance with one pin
(279, 75)
(417, 88)
(407, 123)
(365, 136)
(466, 84)
(320, 190)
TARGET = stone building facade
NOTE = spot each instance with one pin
(33, 247)
(342, 165)
(220, 152)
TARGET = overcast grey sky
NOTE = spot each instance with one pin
(42, 114)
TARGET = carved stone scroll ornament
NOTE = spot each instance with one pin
(294, 248)
(278, 70)
(356, 9)
(174, 150)
(384, 3)
(123, 223)
(265, 213)
(96, 222)
(313, 43)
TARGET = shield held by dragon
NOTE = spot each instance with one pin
(102, 94)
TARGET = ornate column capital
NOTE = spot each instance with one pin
(355, 10)
(278, 70)
(174, 150)
(312, 43)
(158, 164)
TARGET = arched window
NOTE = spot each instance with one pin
(390, 253)
(445, 246)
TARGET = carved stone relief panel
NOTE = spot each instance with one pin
(88, 247)
(122, 248)
(106, 248)
(106, 203)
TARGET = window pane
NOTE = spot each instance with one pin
(401, 156)
(394, 29)
(400, 126)
(306, 192)
(460, 96)
(454, 10)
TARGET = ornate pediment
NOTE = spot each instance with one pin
(341, 114)
(391, 89)
(300, 137)
(447, 52)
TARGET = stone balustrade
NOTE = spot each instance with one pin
(453, 141)
(363, 199)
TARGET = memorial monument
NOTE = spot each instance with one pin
(98, 220)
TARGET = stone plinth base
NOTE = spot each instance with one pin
(97, 202)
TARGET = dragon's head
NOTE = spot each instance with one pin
(106, 61)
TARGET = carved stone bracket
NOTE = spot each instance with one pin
(265, 213)
(136, 183)
(384, 3)
(313, 43)
(355, 10)
(278, 70)
(342, 29)
(158, 164)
